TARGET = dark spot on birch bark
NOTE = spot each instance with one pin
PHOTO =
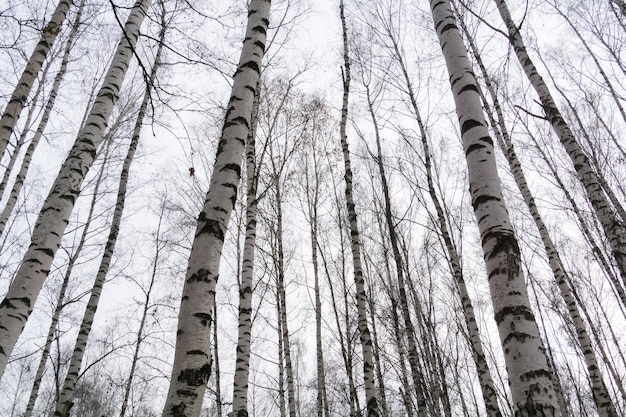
(474, 147)
(468, 87)
(469, 124)
(205, 319)
(519, 311)
(179, 410)
(232, 167)
(201, 276)
(211, 226)
(483, 199)
(195, 377)
(448, 27)
(47, 251)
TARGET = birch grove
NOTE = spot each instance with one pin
(292, 208)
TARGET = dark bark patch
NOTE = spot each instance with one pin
(205, 319)
(483, 199)
(195, 377)
(469, 124)
(517, 311)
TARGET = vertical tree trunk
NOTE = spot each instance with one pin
(613, 229)
(413, 354)
(282, 297)
(123, 180)
(364, 333)
(242, 364)
(25, 84)
(52, 220)
(218, 382)
(527, 367)
(313, 196)
(192, 360)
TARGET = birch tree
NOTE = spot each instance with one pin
(25, 84)
(612, 227)
(52, 220)
(527, 367)
(65, 400)
(192, 360)
(244, 333)
(30, 151)
(359, 280)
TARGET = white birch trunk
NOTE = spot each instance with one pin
(123, 182)
(28, 156)
(65, 400)
(41, 368)
(600, 393)
(25, 84)
(192, 361)
(525, 358)
(613, 229)
(52, 221)
(242, 365)
(364, 333)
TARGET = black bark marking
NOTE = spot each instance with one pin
(195, 377)
(483, 199)
(522, 311)
(469, 124)
(468, 87)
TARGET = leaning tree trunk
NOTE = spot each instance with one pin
(41, 368)
(600, 392)
(524, 353)
(242, 363)
(364, 333)
(28, 156)
(613, 229)
(52, 221)
(65, 400)
(192, 360)
(409, 329)
(25, 84)
(124, 177)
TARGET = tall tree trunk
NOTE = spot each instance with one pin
(242, 365)
(413, 354)
(192, 360)
(613, 229)
(313, 196)
(524, 353)
(600, 393)
(52, 221)
(595, 248)
(364, 333)
(484, 375)
(123, 180)
(218, 381)
(65, 401)
(19, 96)
(282, 297)
(41, 368)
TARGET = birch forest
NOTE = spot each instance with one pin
(313, 208)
